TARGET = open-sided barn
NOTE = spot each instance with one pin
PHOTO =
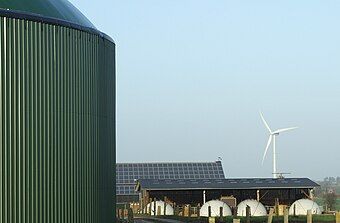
(268, 191)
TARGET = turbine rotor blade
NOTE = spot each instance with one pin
(284, 130)
(268, 144)
(265, 123)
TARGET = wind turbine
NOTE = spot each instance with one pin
(272, 137)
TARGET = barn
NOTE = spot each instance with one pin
(269, 191)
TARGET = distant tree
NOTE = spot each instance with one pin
(330, 200)
(338, 180)
(318, 192)
(332, 179)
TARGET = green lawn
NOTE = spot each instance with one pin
(337, 189)
(320, 202)
(292, 219)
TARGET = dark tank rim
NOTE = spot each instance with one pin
(13, 14)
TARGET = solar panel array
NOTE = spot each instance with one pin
(128, 173)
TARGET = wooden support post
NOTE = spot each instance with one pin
(150, 206)
(270, 216)
(175, 209)
(154, 207)
(294, 210)
(285, 215)
(146, 199)
(141, 205)
(236, 220)
(248, 213)
(130, 216)
(234, 211)
(159, 210)
(124, 211)
(309, 216)
(277, 206)
(119, 213)
(337, 217)
(198, 210)
(165, 203)
(221, 212)
(164, 211)
(209, 211)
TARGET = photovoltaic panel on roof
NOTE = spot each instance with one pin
(128, 173)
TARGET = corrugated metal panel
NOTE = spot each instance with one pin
(57, 118)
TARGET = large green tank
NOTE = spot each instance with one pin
(57, 115)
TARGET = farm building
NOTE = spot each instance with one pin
(268, 191)
(128, 173)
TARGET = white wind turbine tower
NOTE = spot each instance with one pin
(272, 137)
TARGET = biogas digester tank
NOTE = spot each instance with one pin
(57, 116)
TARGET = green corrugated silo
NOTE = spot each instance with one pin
(57, 115)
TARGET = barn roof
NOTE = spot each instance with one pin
(128, 173)
(227, 184)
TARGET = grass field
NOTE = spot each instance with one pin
(320, 202)
(337, 205)
(292, 219)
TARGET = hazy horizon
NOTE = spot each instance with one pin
(192, 77)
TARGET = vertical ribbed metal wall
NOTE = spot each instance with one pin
(57, 124)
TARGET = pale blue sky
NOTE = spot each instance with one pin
(192, 76)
